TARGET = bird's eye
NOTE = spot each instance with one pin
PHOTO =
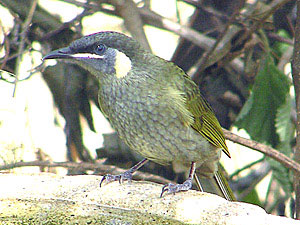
(100, 49)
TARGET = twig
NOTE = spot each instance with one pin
(296, 80)
(128, 10)
(201, 64)
(65, 25)
(6, 47)
(246, 167)
(25, 27)
(101, 168)
(279, 38)
(208, 9)
(12, 56)
(253, 184)
(189, 34)
(153, 19)
(274, 6)
(267, 150)
(6, 79)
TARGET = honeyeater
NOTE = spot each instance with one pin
(154, 106)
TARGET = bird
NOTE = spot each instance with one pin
(154, 106)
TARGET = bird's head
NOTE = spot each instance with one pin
(103, 53)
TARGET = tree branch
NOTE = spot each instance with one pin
(128, 10)
(153, 19)
(267, 150)
(258, 24)
(25, 27)
(101, 168)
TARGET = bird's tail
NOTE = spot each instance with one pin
(216, 185)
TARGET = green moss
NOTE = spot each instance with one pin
(68, 212)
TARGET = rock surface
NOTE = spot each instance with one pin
(51, 199)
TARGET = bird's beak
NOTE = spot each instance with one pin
(66, 53)
(62, 53)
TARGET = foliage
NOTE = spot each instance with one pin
(266, 116)
(268, 94)
(231, 49)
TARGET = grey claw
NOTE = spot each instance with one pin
(174, 188)
(164, 189)
(110, 178)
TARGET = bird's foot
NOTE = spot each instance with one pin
(121, 177)
(127, 175)
(174, 188)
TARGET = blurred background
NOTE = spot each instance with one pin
(237, 51)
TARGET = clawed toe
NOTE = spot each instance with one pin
(109, 178)
(174, 188)
(166, 188)
(121, 177)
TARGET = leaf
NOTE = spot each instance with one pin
(284, 126)
(286, 132)
(268, 93)
(246, 108)
(266, 116)
(253, 198)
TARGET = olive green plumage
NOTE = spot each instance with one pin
(153, 105)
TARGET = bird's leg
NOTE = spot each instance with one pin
(200, 188)
(185, 186)
(127, 175)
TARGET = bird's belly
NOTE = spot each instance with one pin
(157, 133)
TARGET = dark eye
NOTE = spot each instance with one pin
(100, 49)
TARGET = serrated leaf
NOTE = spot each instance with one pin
(283, 123)
(268, 94)
(285, 130)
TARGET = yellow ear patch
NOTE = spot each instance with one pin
(122, 64)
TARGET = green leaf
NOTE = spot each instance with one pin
(246, 108)
(266, 116)
(284, 126)
(268, 93)
(286, 132)
(253, 198)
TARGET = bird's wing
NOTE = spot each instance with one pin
(101, 104)
(205, 121)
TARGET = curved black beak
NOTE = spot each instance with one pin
(62, 53)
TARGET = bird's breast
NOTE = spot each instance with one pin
(148, 123)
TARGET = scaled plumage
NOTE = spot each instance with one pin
(153, 105)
